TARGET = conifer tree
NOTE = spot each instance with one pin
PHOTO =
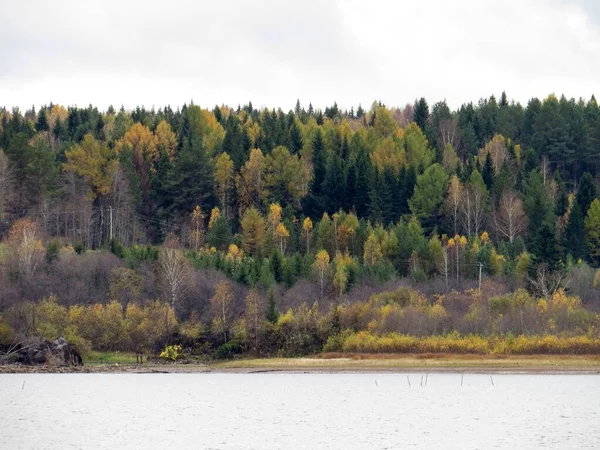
(574, 234)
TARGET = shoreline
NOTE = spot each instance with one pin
(350, 363)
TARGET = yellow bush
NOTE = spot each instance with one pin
(367, 342)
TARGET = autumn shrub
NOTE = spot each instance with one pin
(7, 334)
(366, 342)
(171, 353)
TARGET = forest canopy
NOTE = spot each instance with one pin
(269, 199)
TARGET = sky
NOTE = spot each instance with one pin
(273, 52)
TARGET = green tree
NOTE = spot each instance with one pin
(272, 312)
(592, 228)
(586, 193)
(574, 233)
(429, 192)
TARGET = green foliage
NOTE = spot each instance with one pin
(52, 250)
(272, 312)
(429, 191)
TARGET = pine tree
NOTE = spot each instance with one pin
(545, 246)
(42, 121)
(488, 173)
(295, 138)
(272, 312)
(421, 114)
(191, 181)
(334, 185)
(313, 202)
(586, 192)
(574, 234)
(364, 180)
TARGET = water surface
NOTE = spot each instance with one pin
(298, 411)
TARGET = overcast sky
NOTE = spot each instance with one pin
(272, 51)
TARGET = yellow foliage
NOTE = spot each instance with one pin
(214, 215)
(92, 160)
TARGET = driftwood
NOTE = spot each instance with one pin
(34, 351)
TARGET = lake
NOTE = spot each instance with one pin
(298, 411)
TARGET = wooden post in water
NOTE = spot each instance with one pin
(408, 380)
(492, 380)
(421, 380)
(426, 377)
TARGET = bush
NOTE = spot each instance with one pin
(171, 353)
(229, 350)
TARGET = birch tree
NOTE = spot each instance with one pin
(174, 272)
(509, 218)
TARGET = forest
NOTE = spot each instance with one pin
(232, 231)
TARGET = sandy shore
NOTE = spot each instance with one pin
(354, 363)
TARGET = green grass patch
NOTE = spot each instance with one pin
(110, 358)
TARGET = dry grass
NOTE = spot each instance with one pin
(359, 362)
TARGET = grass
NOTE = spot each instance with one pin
(96, 358)
(432, 361)
(367, 362)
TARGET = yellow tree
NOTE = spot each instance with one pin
(142, 143)
(250, 181)
(215, 213)
(197, 228)
(204, 123)
(92, 160)
(220, 305)
(26, 247)
(283, 235)
(284, 176)
(307, 227)
(372, 253)
(340, 278)
(253, 231)
(453, 201)
(321, 265)
(224, 180)
(274, 217)
(166, 139)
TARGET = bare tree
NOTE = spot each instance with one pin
(173, 271)
(447, 132)
(509, 218)
(452, 206)
(473, 209)
(546, 282)
(254, 314)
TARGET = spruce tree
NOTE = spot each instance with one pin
(364, 180)
(334, 185)
(421, 114)
(42, 121)
(272, 312)
(586, 193)
(574, 234)
(313, 202)
(488, 173)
